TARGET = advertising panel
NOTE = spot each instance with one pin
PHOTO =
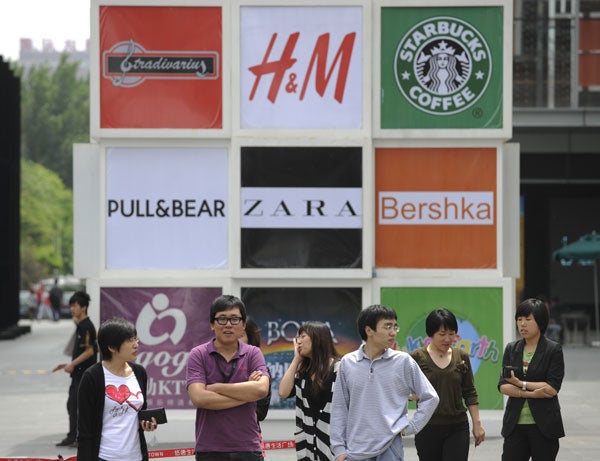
(301, 67)
(436, 208)
(170, 322)
(478, 311)
(166, 208)
(301, 207)
(160, 67)
(279, 312)
(441, 67)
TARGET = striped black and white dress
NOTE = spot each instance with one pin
(313, 415)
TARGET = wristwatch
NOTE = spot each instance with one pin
(524, 385)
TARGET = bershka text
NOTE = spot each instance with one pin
(436, 208)
(163, 208)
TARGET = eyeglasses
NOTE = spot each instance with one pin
(134, 339)
(390, 327)
(224, 320)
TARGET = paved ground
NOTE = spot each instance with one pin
(33, 415)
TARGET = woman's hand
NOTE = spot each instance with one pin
(149, 426)
(478, 433)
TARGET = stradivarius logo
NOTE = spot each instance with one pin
(443, 65)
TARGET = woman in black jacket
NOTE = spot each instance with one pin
(533, 371)
(111, 394)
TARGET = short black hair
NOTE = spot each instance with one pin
(252, 332)
(225, 303)
(539, 310)
(113, 333)
(438, 318)
(369, 316)
(81, 298)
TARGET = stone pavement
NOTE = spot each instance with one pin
(34, 417)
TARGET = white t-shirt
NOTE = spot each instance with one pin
(123, 400)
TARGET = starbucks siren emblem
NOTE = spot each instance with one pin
(442, 65)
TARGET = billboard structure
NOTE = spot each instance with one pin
(277, 152)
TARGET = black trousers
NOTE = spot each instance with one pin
(525, 442)
(443, 442)
(230, 456)
(72, 407)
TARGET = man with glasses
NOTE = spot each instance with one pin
(225, 378)
(369, 413)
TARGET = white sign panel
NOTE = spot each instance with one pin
(166, 208)
(301, 67)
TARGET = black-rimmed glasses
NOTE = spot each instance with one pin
(224, 320)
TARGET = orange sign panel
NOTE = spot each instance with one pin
(436, 208)
(160, 67)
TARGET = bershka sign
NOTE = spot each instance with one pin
(128, 64)
(436, 208)
(301, 208)
(301, 67)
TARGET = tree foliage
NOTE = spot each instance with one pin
(46, 223)
(55, 115)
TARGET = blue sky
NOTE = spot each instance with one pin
(57, 20)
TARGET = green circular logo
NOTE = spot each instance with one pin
(442, 65)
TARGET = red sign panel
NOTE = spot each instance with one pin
(160, 67)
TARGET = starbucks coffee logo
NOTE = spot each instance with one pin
(442, 65)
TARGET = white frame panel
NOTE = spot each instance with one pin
(96, 132)
(346, 134)
(310, 273)
(157, 274)
(504, 133)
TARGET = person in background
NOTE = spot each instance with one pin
(448, 369)
(251, 335)
(84, 355)
(56, 298)
(225, 378)
(369, 412)
(310, 378)
(532, 422)
(110, 396)
(44, 309)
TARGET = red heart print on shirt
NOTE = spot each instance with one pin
(121, 394)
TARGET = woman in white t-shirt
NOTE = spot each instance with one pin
(111, 394)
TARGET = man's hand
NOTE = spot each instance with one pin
(341, 457)
(60, 366)
(255, 376)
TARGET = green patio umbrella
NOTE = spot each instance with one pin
(585, 252)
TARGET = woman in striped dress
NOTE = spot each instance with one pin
(310, 377)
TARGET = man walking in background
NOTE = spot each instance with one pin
(85, 350)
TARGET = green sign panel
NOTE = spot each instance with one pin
(441, 67)
(479, 315)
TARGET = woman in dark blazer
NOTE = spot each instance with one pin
(532, 421)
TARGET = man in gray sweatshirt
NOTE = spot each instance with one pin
(369, 413)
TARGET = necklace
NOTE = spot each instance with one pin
(439, 354)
